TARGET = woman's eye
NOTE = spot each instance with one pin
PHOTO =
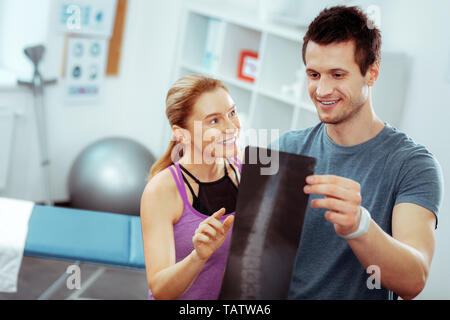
(213, 121)
(233, 113)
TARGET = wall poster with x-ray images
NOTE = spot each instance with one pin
(86, 60)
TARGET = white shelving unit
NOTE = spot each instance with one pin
(262, 103)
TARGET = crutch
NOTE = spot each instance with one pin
(37, 84)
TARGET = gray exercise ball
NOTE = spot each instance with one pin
(110, 175)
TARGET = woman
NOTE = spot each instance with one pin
(187, 207)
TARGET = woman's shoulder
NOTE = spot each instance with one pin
(160, 192)
(162, 181)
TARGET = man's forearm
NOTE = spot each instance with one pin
(403, 268)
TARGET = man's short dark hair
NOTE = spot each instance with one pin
(341, 24)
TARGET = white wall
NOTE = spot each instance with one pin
(14, 14)
(419, 28)
(423, 31)
(133, 104)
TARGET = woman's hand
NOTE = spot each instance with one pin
(210, 234)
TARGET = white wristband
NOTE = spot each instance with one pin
(363, 227)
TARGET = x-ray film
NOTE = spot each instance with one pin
(268, 223)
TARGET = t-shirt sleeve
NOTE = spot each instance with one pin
(280, 143)
(421, 181)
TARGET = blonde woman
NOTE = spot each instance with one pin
(187, 207)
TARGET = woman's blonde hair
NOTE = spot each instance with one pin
(179, 102)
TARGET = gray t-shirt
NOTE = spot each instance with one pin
(391, 169)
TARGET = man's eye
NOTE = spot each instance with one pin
(233, 113)
(313, 75)
(338, 75)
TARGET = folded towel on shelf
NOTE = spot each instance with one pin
(14, 218)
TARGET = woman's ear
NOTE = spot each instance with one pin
(180, 135)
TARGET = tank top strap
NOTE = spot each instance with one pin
(194, 178)
(175, 177)
(237, 163)
(180, 183)
(232, 168)
(188, 173)
(225, 167)
(190, 188)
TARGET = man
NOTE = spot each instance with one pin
(375, 195)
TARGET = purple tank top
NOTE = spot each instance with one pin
(208, 283)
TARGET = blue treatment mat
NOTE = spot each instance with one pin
(86, 236)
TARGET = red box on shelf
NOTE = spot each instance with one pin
(248, 65)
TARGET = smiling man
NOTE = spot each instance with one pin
(375, 195)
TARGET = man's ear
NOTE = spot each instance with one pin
(372, 73)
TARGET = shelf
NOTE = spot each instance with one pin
(5, 111)
(8, 80)
(262, 104)
(272, 114)
(195, 40)
(282, 60)
(239, 90)
(237, 39)
(246, 19)
(234, 81)
(271, 119)
(287, 99)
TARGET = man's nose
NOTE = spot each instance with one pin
(324, 88)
